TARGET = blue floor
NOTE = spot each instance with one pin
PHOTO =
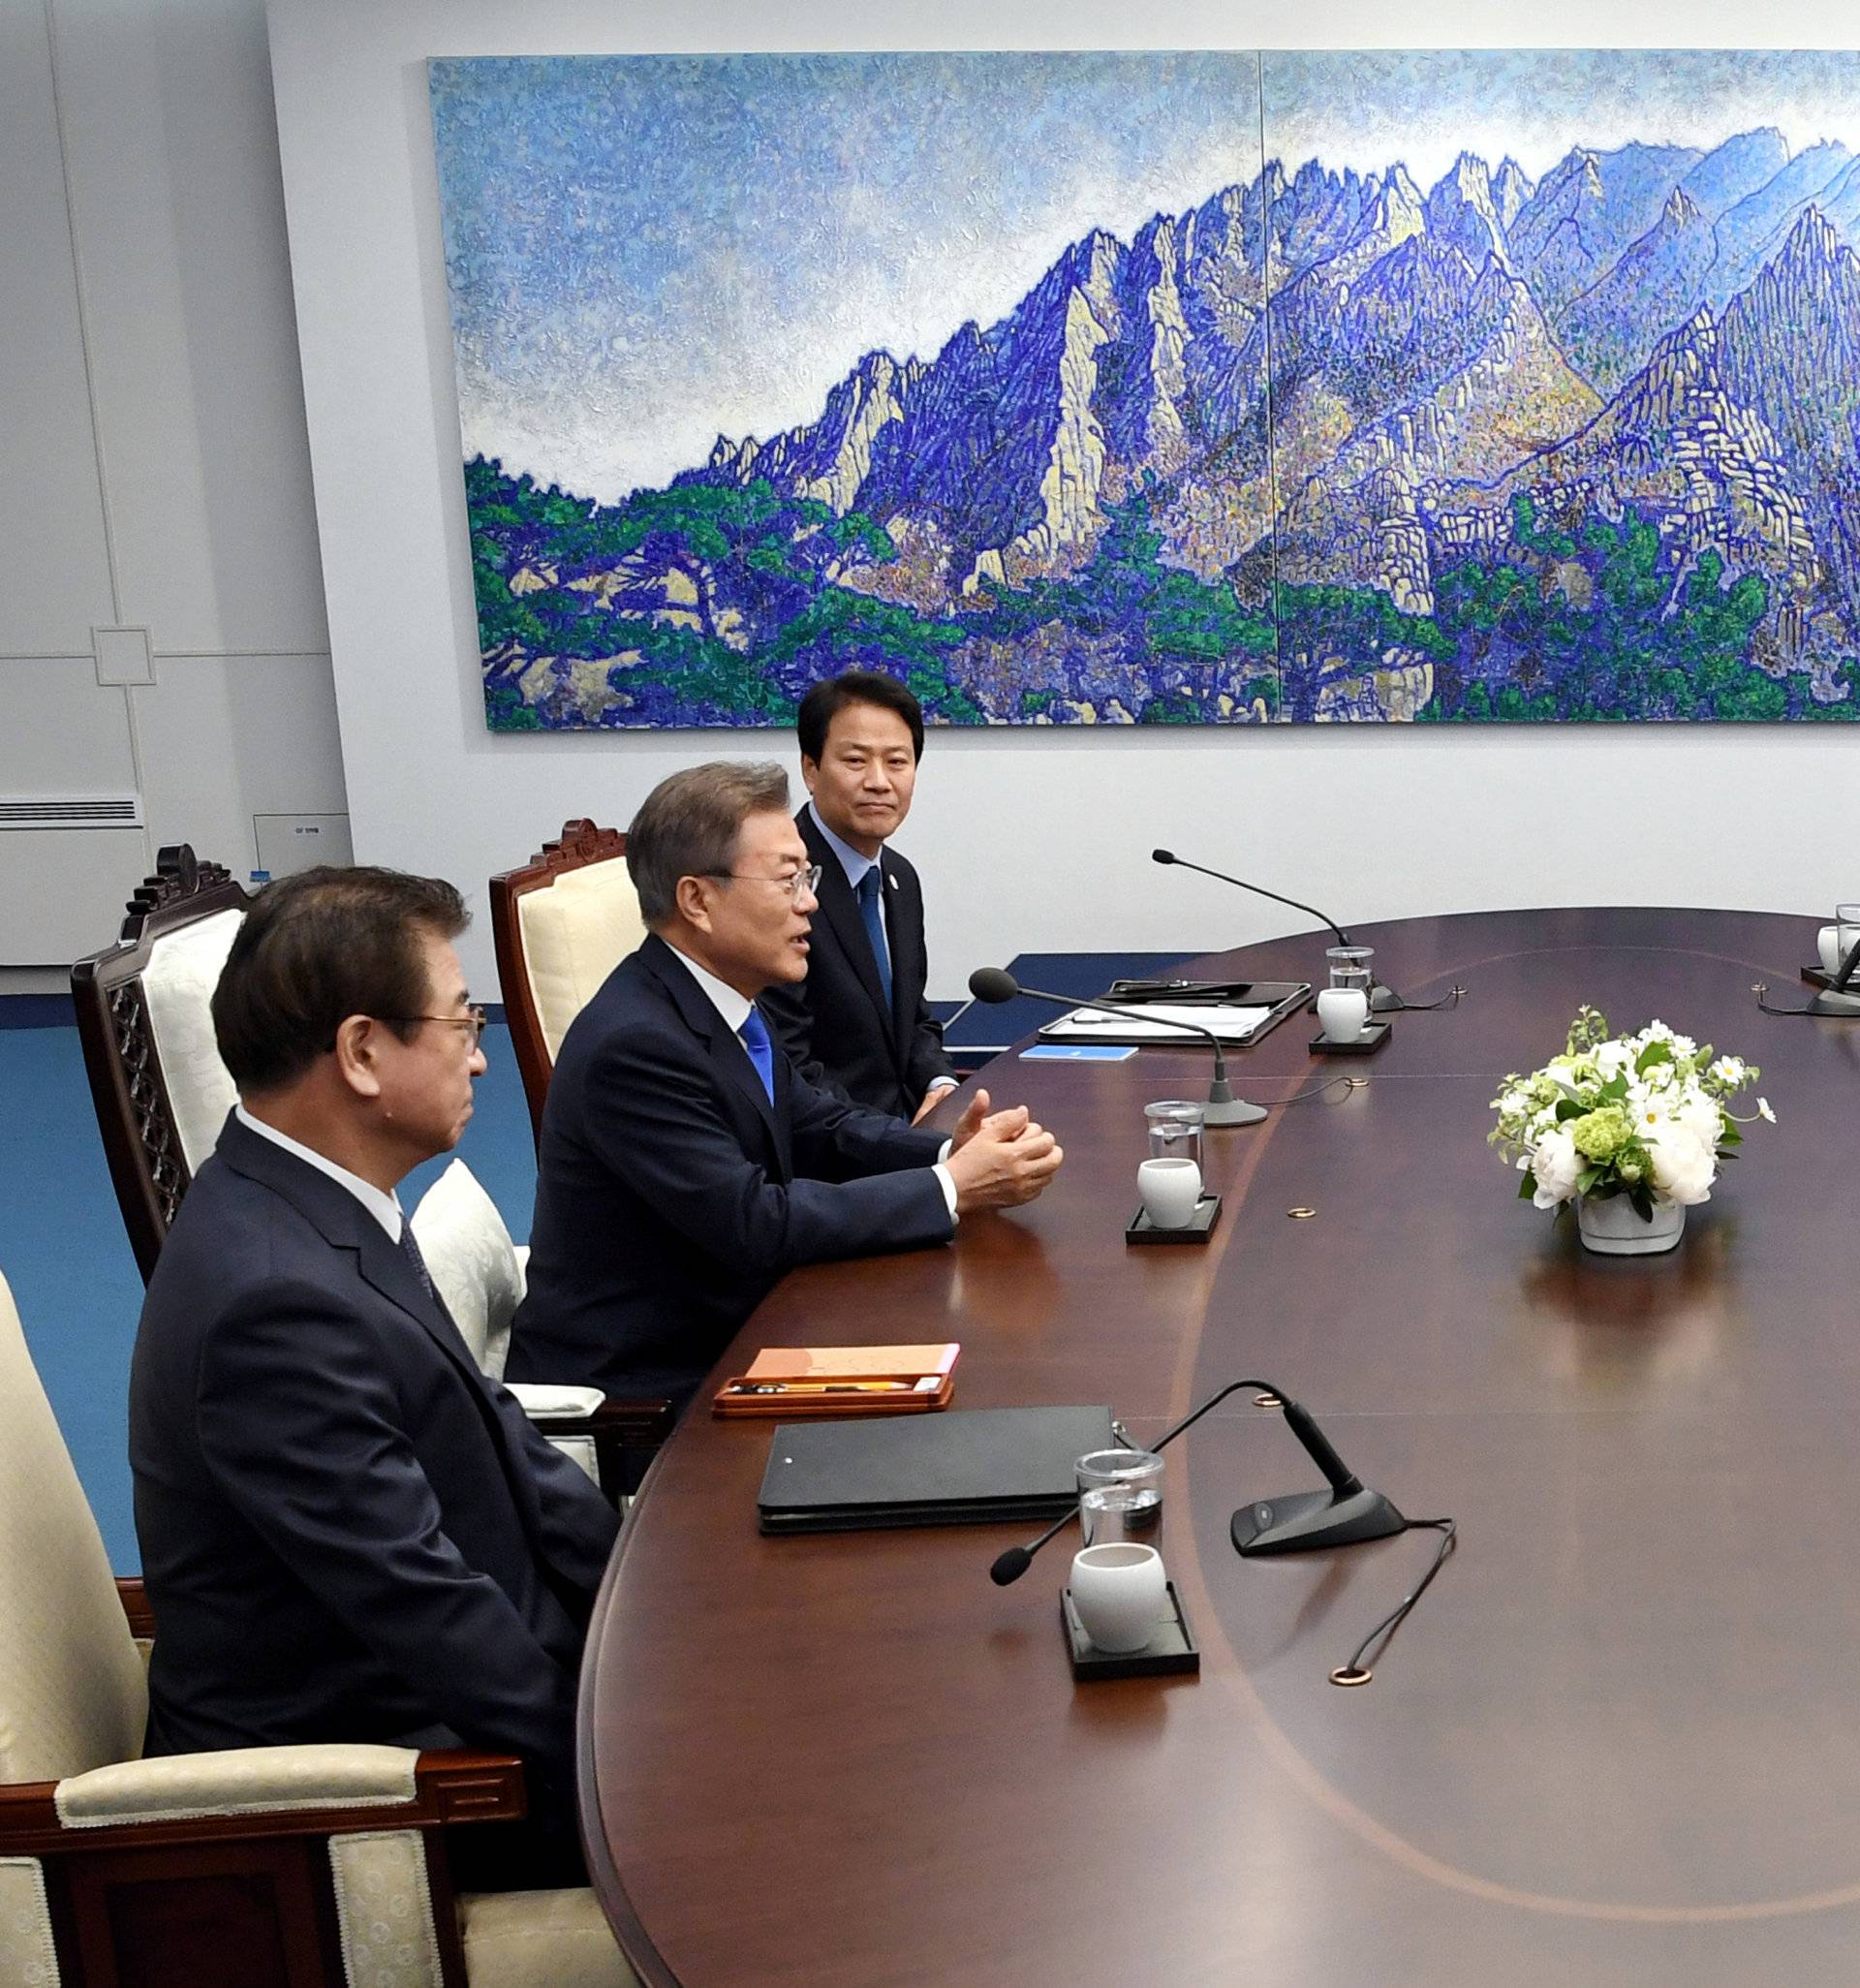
(64, 1252)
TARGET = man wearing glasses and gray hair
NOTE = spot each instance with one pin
(685, 1165)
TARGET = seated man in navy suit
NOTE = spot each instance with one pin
(685, 1163)
(349, 1532)
(858, 1025)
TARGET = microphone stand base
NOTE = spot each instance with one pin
(1237, 1111)
(1385, 1001)
(1307, 1521)
(1828, 1001)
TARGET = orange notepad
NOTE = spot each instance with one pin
(795, 1381)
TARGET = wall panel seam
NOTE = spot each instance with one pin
(83, 315)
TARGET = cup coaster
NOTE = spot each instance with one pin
(1374, 1035)
(1200, 1226)
(1170, 1651)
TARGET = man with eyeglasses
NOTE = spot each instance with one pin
(348, 1532)
(685, 1163)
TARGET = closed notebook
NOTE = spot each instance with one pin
(967, 1467)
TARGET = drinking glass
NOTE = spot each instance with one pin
(1846, 932)
(1353, 966)
(1119, 1497)
(1175, 1129)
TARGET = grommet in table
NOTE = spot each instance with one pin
(1301, 1213)
(1350, 1674)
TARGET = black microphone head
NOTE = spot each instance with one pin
(1010, 1568)
(993, 984)
(1161, 856)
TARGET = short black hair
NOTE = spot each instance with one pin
(827, 701)
(315, 948)
(689, 825)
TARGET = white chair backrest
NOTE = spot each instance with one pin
(183, 969)
(72, 1693)
(474, 1264)
(575, 933)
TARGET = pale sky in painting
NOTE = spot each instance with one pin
(1365, 108)
(648, 251)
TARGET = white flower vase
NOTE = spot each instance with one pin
(1611, 1228)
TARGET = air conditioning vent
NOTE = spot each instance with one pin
(42, 811)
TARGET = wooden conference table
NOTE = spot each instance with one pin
(1618, 1741)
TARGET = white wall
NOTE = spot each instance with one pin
(1031, 841)
(154, 468)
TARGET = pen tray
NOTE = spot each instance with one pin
(796, 1402)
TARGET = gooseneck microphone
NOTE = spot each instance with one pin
(995, 985)
(1381, 1000)
(1302, 1522)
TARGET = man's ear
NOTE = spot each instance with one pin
(357, 1054)
(810, 771)
(693, 902)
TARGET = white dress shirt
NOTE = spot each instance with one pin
(385, 1208)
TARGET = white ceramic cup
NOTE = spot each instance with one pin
(1343, 1011)
(1172, 1189)
(1119, 1594)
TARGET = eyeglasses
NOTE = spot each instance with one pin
(802, 883)
(474, 1021)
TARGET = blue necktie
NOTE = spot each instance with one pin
(755, 1036)
(869, 910)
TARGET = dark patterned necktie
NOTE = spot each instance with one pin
(409, 1249)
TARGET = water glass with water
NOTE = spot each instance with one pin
(1353, 966)
(1175, 1129)
(1119, 1497)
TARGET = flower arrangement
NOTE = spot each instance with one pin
(1643, 1115)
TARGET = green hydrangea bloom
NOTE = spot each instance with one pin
(1601, 1133)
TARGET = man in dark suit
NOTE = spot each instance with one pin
(349, 1532)
(685, 1165)
(858, 1025)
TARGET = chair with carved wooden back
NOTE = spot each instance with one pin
(156, 1078)
(144, 1020)
(561, 924)
(311, 1866)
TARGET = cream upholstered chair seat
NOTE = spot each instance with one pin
(73, 1705)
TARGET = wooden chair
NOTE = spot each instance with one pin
(266, 1867)
(140, 1008)
(162, 1095)
(561, 924)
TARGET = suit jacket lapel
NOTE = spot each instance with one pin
(346, 1225)
(729, 1059)
(841, 909)
(906, 935)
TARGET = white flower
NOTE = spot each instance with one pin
(1730, 1070)
(1653, 1032)
(1763, 1110)
(1613, 1059)
(1684, 1164)
(1556, 1164)
(1700, 1116)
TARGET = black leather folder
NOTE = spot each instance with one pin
(963, 1467)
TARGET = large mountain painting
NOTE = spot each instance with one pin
(1177, 389)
